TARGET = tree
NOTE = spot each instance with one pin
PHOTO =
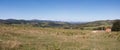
(116, 25)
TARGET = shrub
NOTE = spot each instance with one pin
(116, 25)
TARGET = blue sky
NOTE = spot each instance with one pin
(60, 10)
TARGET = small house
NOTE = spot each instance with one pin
(108, 29)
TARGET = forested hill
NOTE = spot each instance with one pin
(36, 23)
(97, 23)
(58, 24)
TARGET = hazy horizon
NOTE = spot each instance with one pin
(60, 10)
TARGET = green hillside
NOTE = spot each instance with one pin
(59, 24)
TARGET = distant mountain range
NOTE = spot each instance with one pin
(48, 23)
(36, 23)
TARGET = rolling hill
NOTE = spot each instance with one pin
(57, 24)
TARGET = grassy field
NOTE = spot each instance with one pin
(33, 38)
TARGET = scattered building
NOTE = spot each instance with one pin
(108, 29)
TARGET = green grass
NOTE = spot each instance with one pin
(33, 38)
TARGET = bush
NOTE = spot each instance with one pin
(99, 28)
(116, 25)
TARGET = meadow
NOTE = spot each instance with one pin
(36, 38)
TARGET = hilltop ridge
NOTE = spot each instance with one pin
(57, 24)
